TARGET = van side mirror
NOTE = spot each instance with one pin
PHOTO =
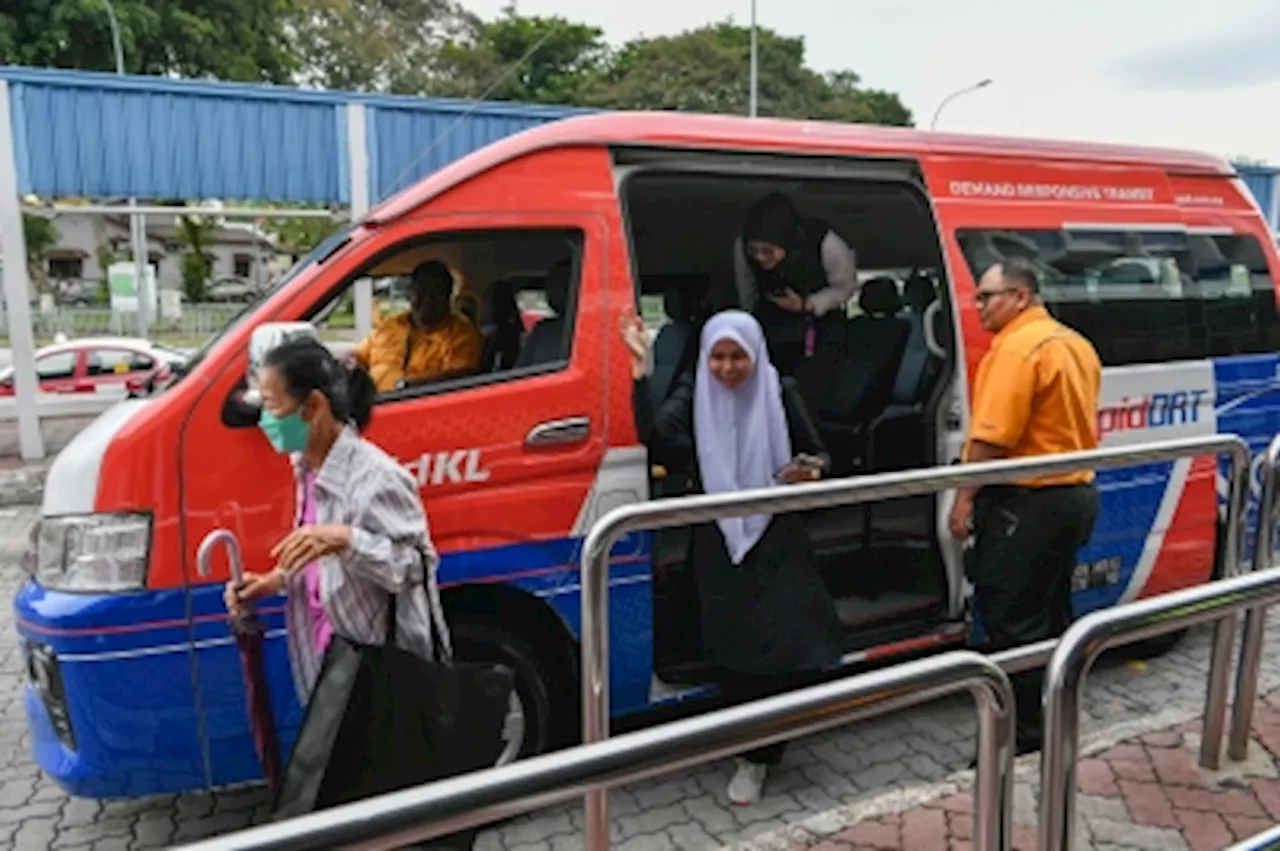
(243, 406)
(266, 337)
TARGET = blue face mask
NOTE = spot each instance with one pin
(286, 434)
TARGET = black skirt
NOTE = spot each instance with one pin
(772, 614)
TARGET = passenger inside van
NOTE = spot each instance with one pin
(795, 274)
(684, 301)
(546, 342)
(501, 328)
(428, 342)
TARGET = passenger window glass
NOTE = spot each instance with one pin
(1208, 295)
(60, 365)
(115, 362)
(510, 310)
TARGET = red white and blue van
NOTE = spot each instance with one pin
(1160, 257)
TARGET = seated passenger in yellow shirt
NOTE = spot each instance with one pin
(429, 342)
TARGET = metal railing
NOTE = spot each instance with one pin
(1099, 631)
(438, 809)
(689, 510)
(1255, 620)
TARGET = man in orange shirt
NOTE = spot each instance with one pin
(429, 342)
(1036, 393)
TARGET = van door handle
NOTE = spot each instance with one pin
(559, 432)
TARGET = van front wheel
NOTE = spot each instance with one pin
(526, 732)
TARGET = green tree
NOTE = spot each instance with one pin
(706, 70)
(196, 232)
(297, 236)
(388, 46)
(41, 234)
(530, 59)
(226, 39)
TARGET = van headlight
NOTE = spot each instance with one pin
(91, 552)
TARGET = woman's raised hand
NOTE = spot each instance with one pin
(636, 339)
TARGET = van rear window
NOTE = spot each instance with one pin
(1146, 296)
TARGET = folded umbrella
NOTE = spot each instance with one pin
(250, 633)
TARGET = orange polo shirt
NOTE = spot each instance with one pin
(396, 350)
(1036, 393)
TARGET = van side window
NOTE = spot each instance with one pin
(1146, 297)
(513, 304)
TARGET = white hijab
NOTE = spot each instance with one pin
(742, 435)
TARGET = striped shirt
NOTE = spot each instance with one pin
(362, 487)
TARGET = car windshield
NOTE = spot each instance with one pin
(318, 255)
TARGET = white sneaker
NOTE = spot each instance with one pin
(747, 784)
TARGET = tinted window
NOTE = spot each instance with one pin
(116, 362)
(59, 365)
(1146, 297)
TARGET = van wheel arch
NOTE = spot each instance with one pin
(510, 626)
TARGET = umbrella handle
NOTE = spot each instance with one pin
(210, 543)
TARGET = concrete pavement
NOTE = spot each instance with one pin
(826, 784)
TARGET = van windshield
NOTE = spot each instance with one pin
(318, 255)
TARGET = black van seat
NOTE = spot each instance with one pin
(917, 361)
(670, 346)
(850, 392)
(895, 440)
(868, 364)
(500, 325)
(546, 342)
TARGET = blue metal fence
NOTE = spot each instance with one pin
(95, 135)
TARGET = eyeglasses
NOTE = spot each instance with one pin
(982, 297)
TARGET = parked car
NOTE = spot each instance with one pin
(232, 288)
(91, 365)
(76, 293)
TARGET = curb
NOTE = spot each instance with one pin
(818, 827)
(22, 486)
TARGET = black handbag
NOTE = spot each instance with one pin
(383, 719)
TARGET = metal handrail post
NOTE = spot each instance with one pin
(1098, 632)
(1255, 620)
(471, 800)
(689, 510)
(1224, 631)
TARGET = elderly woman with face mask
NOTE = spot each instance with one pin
(768, 622)
(429, 342)
(794, 274)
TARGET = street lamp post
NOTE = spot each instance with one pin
(754, 99)
(137, 232)
(981, 84)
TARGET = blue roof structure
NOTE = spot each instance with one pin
(81, 134)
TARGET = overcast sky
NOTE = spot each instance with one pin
(1161, 72)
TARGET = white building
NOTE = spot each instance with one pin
(87, 243)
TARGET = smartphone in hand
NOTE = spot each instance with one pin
(810, 465)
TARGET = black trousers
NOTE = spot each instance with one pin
(744, 688)
(1025, 546)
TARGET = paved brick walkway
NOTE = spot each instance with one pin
(1146, 792)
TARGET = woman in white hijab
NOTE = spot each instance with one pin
(768, 622)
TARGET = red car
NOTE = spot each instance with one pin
(90, 365)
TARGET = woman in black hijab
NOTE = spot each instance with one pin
(795, 274)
